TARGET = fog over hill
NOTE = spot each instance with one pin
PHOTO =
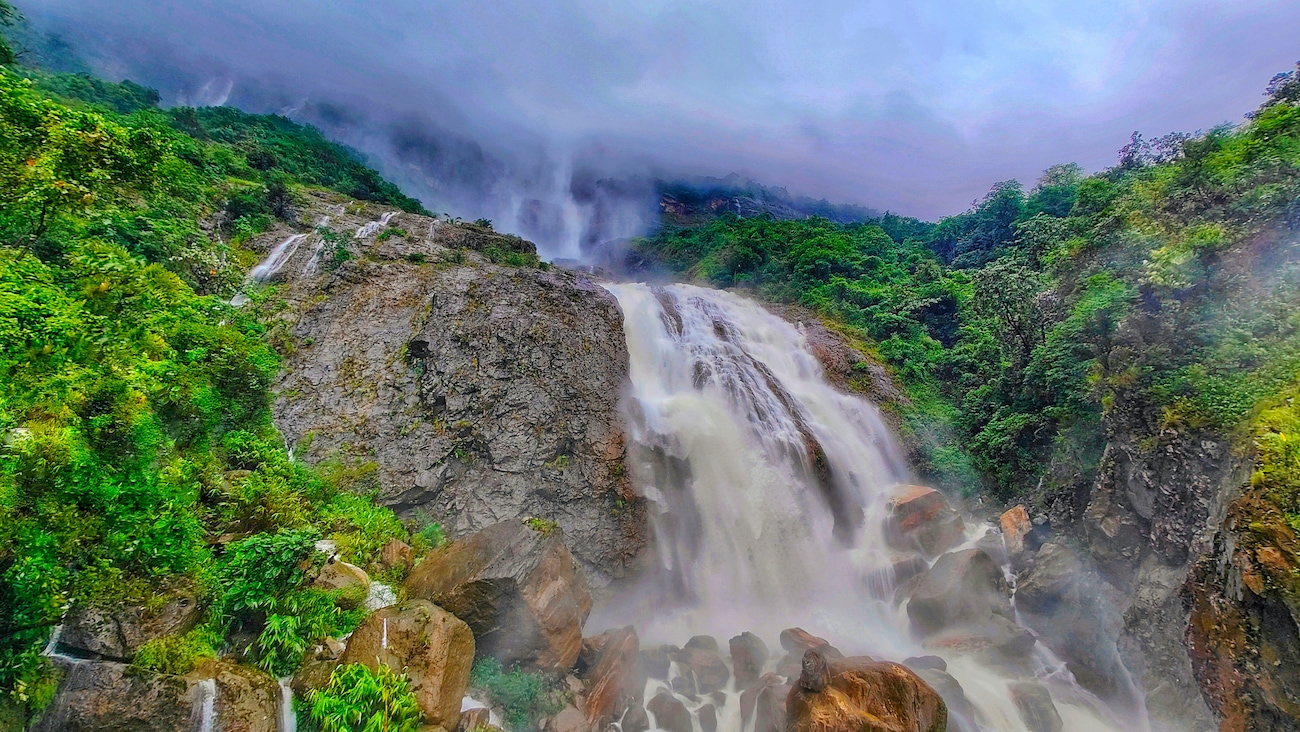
(552, 119)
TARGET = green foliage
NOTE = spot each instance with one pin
(134, 402)
(524, 696)
(358, 699)
(391, 233)
(541, 525)
(178, 654)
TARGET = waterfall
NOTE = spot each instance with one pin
(207, 705)
(374, 227)
(288, 719)
(279, 254)
(768, 490)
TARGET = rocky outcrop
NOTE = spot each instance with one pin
(669, 713)
(116, 633)
(748, 656)
(609, 667)
(862, 695)
(517, 586)
(430, 645)
(921, 519)
(701, 662)
(471, 392)
(1035, 705)
(959, 589)
(765, 703)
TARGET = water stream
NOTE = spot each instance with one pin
(769, 490)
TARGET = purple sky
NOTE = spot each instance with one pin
(916, 107)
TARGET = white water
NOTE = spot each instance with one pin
(379, 596)
(278, 256)
(754, 529)
(373, 227)
(468, 702)
(207, 704)
(288, 720)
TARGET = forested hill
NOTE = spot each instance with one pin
(138, 462)
(1168, 280)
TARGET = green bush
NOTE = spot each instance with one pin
(524, 696)
(358, 699)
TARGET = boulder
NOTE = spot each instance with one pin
(433, 647)
(477, 718)
(994, 639)
(764, 703)
(317, 667)
(568, 720)
(704, 667)
(105, 696)
(654, 663)
(796, 641)
(1035, 706)
(921, 519)
(708, 716)
(636, 720)
(961, 588)
(611, 677)
(116, 633)
(246, 700)
(396, 555)
(670, 714)
(704, 643)
(1015, 527)
(748, 657)
(934, 671)
(339, 575)
(862, 695)
(1050, 583)
(517, 587)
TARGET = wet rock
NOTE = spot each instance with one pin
(611, 678)
(796, 641)
(517, 587)
(994, 639)
(862, 695)
(1045, 587)
(429, 644)
(708, 716)
(670, 714)
(636, 720)
(317, 667)
(748, 656)
(934, 671)
(396, 555)
(704, 667)
(921, 519)
(465, 383)
(916, 663)
(246, 700)
(568, 720)
(764, 703)
(654, 663)
(816, 672)
(478, 718)
(1015, 527)
(116, 633)
(704, 643)
(1035, 705)
(339, 575)
(105, 696)
(961, 588)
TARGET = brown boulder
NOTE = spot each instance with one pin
(429, 644)
(517, 587)
(396, 555)
(1015, 527)
(670, 714)
(611, 676)
(994, 639)
(704, 667)
(962, 587)
(708, 716)
(116, 634)
(764, 702)
(748, 656)
(247, 699)
(797, 641)
(568, 720)
(862, 695)
(921, 519)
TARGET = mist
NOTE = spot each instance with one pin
(554, 119)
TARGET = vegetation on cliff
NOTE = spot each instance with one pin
(1167, 283)
(137, 454)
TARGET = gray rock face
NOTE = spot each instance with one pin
(478, 392)
(103, 696)
(116, 634)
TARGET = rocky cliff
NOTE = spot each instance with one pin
(441, 364)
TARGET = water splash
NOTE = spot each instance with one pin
(374, 227)
(379, 596)
(769, 490)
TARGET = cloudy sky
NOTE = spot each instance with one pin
(917, 107)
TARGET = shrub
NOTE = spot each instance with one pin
(358, 699)
(524, 696)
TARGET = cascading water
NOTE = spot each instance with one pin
(769, 489)
(288, 721)
(206, 710)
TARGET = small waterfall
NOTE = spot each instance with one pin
(383, 641)
(374, 227)
(266, 269)
(379, 596)
(207, 705)
(769, 491)
(288, 719)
